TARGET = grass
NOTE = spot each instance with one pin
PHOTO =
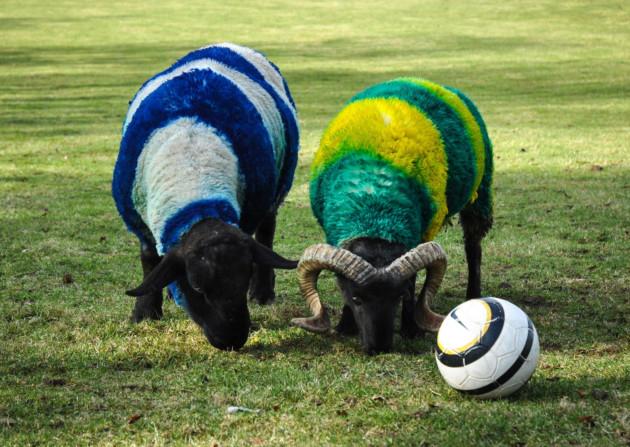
(551, 80)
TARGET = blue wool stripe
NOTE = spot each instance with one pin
(290, 163)
(182, 221)
(216, 101)
(227, 54)
(269, 72)
(178, 295)
(253, 64)
(184, 162)
(261, 100)
(236, 57)
(286, 88)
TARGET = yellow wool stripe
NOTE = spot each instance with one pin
(397, 132)
(469, 121)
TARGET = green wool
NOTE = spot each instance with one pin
(365, 196)
(457, 143)
(483, 204)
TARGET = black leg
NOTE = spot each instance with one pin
(408, 326)
(347, 325)
(261, 286)
(473, 258)
(148, 306)
(475, 227)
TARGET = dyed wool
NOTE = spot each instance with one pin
(215, 135)
(400, 158)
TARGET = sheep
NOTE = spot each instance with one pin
(208, 152)
(398, 160)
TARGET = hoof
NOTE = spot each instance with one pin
(411, 333)
(319, 324)
(146, 313)
(262, 297)
(347, 330)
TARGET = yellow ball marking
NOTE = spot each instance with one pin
(474, 341)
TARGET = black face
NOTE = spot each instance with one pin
(213, 266)
(374, 306)
(216, 284)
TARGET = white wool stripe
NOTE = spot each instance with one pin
(205, 165)
(260, 99)
(264, 67)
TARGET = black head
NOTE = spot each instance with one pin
(374, 305)
(213, 266)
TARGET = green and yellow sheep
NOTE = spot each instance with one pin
(398, 160)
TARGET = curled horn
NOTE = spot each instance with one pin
(431, 256)
(315, 259)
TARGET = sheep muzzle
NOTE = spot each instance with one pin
(320, 257)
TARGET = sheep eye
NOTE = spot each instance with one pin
(357, 301)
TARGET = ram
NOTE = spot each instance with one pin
(397, 161)
(208, 152)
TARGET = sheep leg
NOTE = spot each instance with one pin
(473, 258)
(408, 326)
(475, 227)
(347, 324)
(261, 286)
(148, 307)
(476, 219)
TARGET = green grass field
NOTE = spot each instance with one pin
(552, 80)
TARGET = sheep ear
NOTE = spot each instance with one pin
(168, 270)
(200, 273)
(266, 256)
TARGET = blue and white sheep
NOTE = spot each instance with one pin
(208, 152)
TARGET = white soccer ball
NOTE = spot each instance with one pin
(487, 347)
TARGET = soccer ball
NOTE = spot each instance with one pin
(487, 347)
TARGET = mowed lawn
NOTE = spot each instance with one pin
(552, 80)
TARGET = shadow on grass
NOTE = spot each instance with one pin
(337, 49)
(96, 95)
(552, 389)
(64, 373)
(307, 343)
